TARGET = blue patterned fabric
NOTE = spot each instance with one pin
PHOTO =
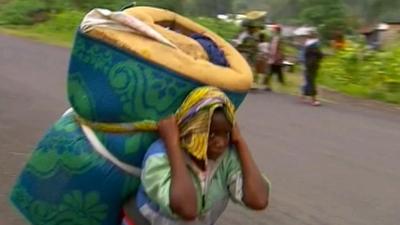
(110, 85)
(66, 182)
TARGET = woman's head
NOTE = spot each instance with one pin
(219, 134)
(204, 117)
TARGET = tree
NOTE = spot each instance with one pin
(283, 11)
(379, 9)
(329, 16)
(173, 5)
(211, 8)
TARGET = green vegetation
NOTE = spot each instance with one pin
(20, 12)
(58, 30)
(61, 27)
(329, 16)
(360, 72)
(226, 30)
(55, 21)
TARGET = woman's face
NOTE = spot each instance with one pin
(219, 137)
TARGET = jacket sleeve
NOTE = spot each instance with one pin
(156, 177)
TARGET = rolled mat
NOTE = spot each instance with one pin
(120, 73)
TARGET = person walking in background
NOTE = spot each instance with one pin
(276, 58)
(262, 58)
(247, 41)
(311, 57)
(247, 44)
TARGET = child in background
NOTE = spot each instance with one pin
(262, 58)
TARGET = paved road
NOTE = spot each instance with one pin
(333, 165)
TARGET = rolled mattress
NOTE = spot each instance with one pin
(120, 76)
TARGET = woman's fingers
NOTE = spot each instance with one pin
(168, 129)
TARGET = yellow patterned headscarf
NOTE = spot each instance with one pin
(194, 118)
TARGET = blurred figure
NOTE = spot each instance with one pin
(338, 42)
(276, 58)
(311, 56)
(262, 57)
(246, 43)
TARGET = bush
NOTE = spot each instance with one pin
(65, 22)
(358, 71)
(23, 12)
(90, 4)
(19, 12)
(224, 29)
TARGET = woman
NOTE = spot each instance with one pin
(262, 58)
(312, 57)
(200, 162)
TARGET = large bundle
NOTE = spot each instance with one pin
(127, 71)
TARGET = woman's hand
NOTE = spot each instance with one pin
(182, 193)
(169, 131)
(255, 189)
(236, 136)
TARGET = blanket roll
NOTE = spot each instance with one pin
(118, 73)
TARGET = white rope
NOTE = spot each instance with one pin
(103, 151)
(99, 148)
(70, 110)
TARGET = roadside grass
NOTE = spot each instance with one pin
(59, 30)
(362, 73)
